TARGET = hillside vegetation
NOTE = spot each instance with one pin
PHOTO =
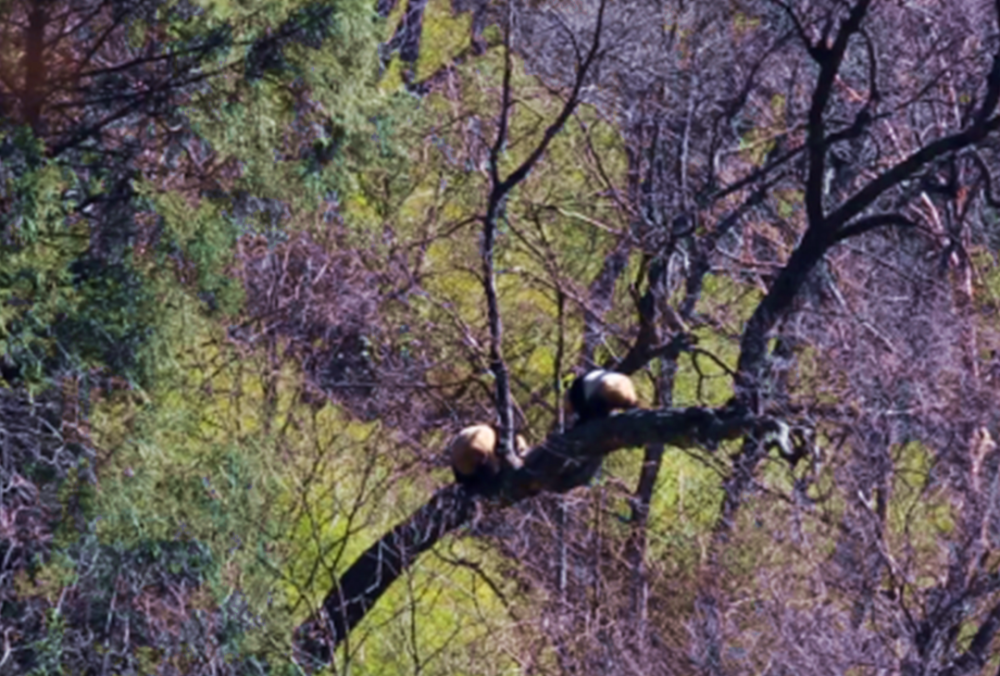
(261, 261)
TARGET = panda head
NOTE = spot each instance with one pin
(473, 452)
(597, 393)
(475, 461)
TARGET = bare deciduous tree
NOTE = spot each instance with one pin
(836, 163)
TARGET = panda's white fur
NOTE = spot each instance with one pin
(474, 457)
(474, 449)
(597, 393)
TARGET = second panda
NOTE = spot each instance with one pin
(598, 393)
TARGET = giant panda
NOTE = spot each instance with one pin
(475, 461)
(597, 393)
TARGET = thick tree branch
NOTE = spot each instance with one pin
(817, 238)
(978, 653)
(906, 168)
(816, 142)
(552, 466)
(360, 587)
(825, 232)
(34, 67)
(753, 344)
(864, 225)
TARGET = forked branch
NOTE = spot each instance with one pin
(499, 189)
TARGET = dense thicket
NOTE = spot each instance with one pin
(258, 262)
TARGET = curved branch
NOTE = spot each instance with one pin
(906, 168)
(753, 344)
(864, 225)
(373, 572)
(552, 466)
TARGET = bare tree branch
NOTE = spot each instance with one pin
(552, 466)
(498, 192)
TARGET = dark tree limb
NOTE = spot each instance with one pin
(829, 59)
(978, 653)
(906, 168)
(360, 587)
(825, 231)
(863, 225)
(753, 344)
(34, 66)
(548, 467)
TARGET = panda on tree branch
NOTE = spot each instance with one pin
(592, 396)
(478, 465)
(476, 461)
(598, 393)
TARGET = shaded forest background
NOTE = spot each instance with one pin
(260, 261)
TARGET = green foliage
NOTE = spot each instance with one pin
(303, 115)
(48, 650)
(685, 501)
(920, 511)
(61, 308)
(192, 486)
(445, 35)
(196, 246)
